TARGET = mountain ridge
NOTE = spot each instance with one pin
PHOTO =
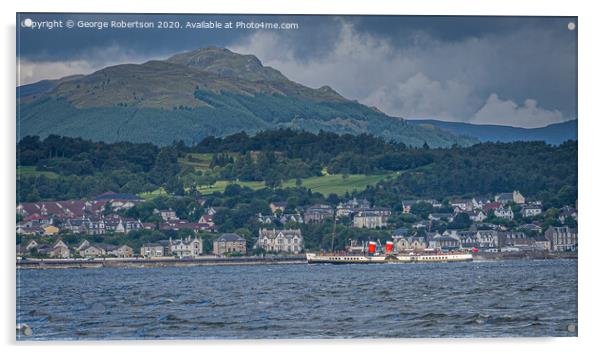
(191, 95)
(555, 133)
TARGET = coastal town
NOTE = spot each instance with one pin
(503, 223)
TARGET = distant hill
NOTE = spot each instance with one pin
(551, 134)
(192, 95)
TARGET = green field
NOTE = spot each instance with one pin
(153, 194)
(29, 171)
(323, 184)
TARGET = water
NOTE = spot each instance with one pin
(479, 299)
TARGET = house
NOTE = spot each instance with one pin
(445, 243)
(177, 225)
(435, 203)
(422, 224)
(188, 247)
(214, 210)
(296, 218)
(530, 227)
(59, 250)
(402, 243)
(371, 218)
(149, 226)
(476, 215)
(531, 210)
(491, 206)
(76, 226)
(541, 243)
(468, 239)
(123, 251)
(207, 219)
(518, 198)
(167, 215)
(407, 205)
(514, 197)
(83, 244)
(562, 238)
(95, 226)
(289, 240)
(100, 225)
(50, 230)
(207, 227)
(266, 219)
(278, 206)
(505, 213)
(488, 239)
(118, 201)
(461, 204)
(117, 224)
(44, 250)
(23, 229)
(93, 251)
(441, 217)
(515, 239)
(318, 213)
(229, 243)
(61, 209)
(31, 245)
(350, 207)
(566, 212)
(151, 250)
(479, 202)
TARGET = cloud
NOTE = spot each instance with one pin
(349, 66)
(30, 71)
(405, 71)
(421, 97)
(528, 115)
(419, 76)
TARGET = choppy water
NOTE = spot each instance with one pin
(479, 299)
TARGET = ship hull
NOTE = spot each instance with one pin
(434, 258)
(344, 259)
(401, 258)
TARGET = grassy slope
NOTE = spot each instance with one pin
(29, 171)
(323, 184)
(326, 184)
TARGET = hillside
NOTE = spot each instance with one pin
(206, 92)
(551, 134)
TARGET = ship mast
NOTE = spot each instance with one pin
(334, 229)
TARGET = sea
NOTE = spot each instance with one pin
(518, 298)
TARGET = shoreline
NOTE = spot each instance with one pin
(153, 262)
(238, 261)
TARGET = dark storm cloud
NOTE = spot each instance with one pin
(507, 70)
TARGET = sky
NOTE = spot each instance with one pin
(516, 71)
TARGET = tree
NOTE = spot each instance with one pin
(174, 185)
(166, 165)
(273, 180)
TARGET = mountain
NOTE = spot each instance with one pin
(192, 95)
(552, 134)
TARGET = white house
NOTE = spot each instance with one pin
(531, 210)
(371, 218)
(188, 247)
(505, 213)
(289, 240)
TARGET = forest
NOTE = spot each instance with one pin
(59, 167)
